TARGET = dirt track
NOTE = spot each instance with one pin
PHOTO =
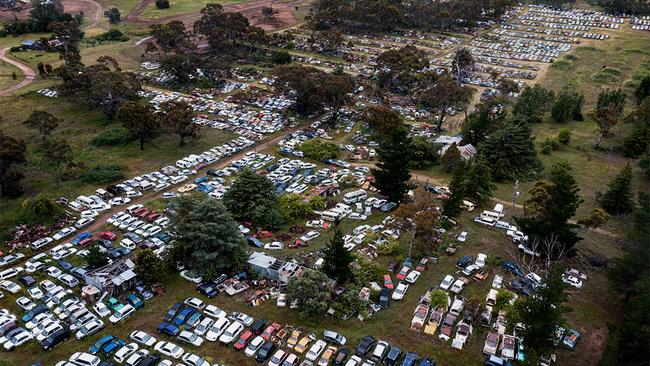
(26, 70)
(251, 10)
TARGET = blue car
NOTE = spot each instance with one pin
(183, 315)
(427, 362)
(410, 359)
(113, 346)
(193, 320)
(80, 237)
(464, 261)
(135, 301)
(254, 242)
(512, 267)
(103, 341)
(201, 179)
(169, 329)
(171, 313)
(38, 309)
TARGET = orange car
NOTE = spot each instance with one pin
(302, 345)
(293, 339)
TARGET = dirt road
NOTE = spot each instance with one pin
(26, 70)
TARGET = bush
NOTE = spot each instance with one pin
(320, 150)
(113, 35)
(281, 57)
(118, 136)
(102, 174)
(39, 210)
(162, 4)
(550, 144)
(564, 137)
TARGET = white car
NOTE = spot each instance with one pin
(190, 276)
(203, 326)
(462, 237)
(315, 224)
(143, 338)
(15, 338)
(457, 287)
(353, 361)
(412, 277)
(63, 233)
(169, 349)
(231, 333)
(315, 350)
(123, 353)
(253, 346)
(35, 292)
(84, 359)
(357, 216)
(481, 260)
(276, 245)
(310, 235)
(48, 331)
(572, 281)
(242, 318)
(217, 329)
(53, 272)
(25, 303)
(497, 282)
(277, 358)
(447, 282)
(83, 222)
(194, 302)
(38, 319)
(10, 286)
(135, 358)
(121, 314)
(119, 201)
(191, 338)
(400, 291)
(214, 312)
(101, 309)
(190, 359)
(90, 328)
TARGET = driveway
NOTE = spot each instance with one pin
(26, 70)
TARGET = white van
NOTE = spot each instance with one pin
(8, 273)
(84, 200)
(134, 193)
(121, 314)
(495, 216)
(469, 206)
(146, 185)
(331, 215)
(355, 196)
(75, 206)
(498, 208)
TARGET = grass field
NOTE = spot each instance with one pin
(180, 7)
(80, 126)
(6, 75)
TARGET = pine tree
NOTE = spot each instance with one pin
(478, 186)
(452, 206)
(393, 172)
(451, 160)
(618, 197)
(337, 259)
(548, 210)
(533, 103)
(207, 239)
(510, 152)
(252, 197)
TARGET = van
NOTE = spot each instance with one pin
(8, 273)
(469, 206)
(75, 206)
(498, 208)
(128, 244)
(331, 215)
(491, 298)
(494, 216)
(121, 314)
(84, 200)
(131, 194)
(146, 185)
(355, 196)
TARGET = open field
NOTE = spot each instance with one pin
(180, 7)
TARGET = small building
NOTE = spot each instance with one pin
(115, 278)
(272, 268)
(467, 152)
(28, 44)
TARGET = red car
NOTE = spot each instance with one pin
(403, 273)
(388, 282)
(139, 211)
(424, 262)
(108, 235)
(243, 340)
(263, 234)
(152, 216)
(142, 214)
(86, 242)
(268, 333)
(297, 243)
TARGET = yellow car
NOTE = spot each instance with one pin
(293, 339)
(187, 188)
(327, 356)
(302, 345)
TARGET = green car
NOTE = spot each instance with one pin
(135, 301)
(114, 304)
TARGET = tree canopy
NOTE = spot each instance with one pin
(337, 259)
(251, 197)
(392, 172)
(617, 199)
(311, 291)
(140, 119)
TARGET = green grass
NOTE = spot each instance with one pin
(180, 7)
(6, 72)
(80, 126)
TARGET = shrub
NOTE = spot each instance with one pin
(112, 35)
(550, 144)
(281, 57)
(564, 137)
(118, 136)
(162, 4)
(102, 174)
(320, 150)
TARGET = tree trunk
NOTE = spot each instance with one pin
(182, 142)
(598, 141)
(141, 143)
(443, 113)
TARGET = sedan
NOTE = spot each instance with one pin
(253, 346)
(143, 338)
(195, 303)
(462, 237)
(191, 338)
(25, 303)
(334, 337)
(15, 338)
(403, 273)
(447, 282)
(400, 291)
(365, 345)
(412, 277)
(169, 349)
